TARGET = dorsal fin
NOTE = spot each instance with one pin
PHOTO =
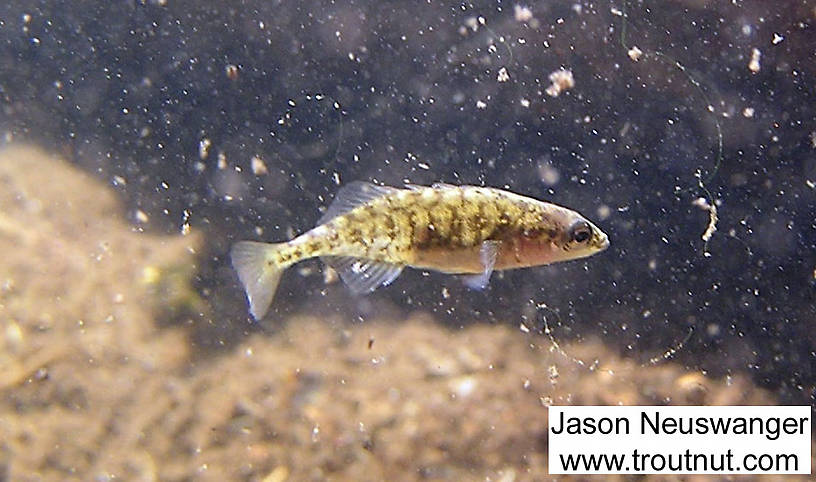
(352, 195)
(443, 185)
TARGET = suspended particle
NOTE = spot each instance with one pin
(753, 65)
(204, 148)
(703, 204)
(141, 216)
(522, 13)
(329, 275)
(258, 166)
(562, 80)
(472, 23)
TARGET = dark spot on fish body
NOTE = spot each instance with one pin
(477, 220)
(420, 219)
(354, 235)
(389, 224)
(421, 236)
(350, 219)
(281, 258)
(368, 214)
(333, 236)
(488, 215)
(506, 226)
(488, 220)
(455, 233)
(380, 227)
(367, 241)
(315, 244)
(402, 244)
(452, 242)
(467, 233)
(533, 219)
(470, 224)
(442, 219)
(499, 232)
(530, 219)
(401, 233)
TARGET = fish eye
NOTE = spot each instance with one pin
(580, 232)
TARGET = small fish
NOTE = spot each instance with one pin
(370, 233)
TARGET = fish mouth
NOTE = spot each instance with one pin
(604, 242)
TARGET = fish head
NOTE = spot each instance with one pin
(560, 234)
(581, 238)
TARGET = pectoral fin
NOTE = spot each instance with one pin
(487, 256)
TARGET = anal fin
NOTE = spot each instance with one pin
(363, 275)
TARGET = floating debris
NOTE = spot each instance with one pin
(753, 65)
(141, 216)
(562, 80)
(204, 148)
(522, 13)
(329, 275)
(703, 204)
(258, 166)
(472, 23)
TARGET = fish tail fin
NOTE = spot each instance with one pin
(259, 273)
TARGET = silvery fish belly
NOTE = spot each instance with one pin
(370, 233)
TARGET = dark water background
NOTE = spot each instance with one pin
(388, 91)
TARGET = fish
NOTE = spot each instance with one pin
(370, 233)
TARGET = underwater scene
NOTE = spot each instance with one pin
(273, 240)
